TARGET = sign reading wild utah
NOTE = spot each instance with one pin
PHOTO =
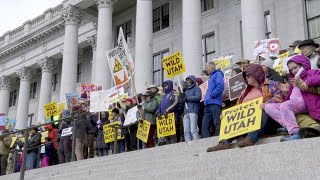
(173, 65)
(166, 127)
(241, 119)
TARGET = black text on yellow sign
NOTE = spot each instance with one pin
(173, 65)
(241, 119)
(166, 127)
(143, 131)
(50, 109)
(109, 132)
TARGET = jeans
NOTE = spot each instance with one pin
(190, 126)
(31, 160)
(211, 117)
(103, 151)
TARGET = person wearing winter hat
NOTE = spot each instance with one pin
(299, 100)
(257, 86)
(263, 57)
(308, 48)
(271, 74)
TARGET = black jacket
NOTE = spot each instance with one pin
(274, 76)
(34, 141)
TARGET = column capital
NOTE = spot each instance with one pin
(105, 3)
(93, 42)
(71, 15)
(4, 82)
(46, 64)
(24, 74)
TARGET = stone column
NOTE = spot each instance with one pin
(253, 27)
(92, 42)
(46, 65)
(144, 46)
(71, 16)
(23, 99)
(4, 94)
(192, 35)
(104, 42)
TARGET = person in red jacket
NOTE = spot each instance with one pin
(53, 136)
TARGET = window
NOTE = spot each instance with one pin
(33, 90)
(208, 47)
(207, 5)
(127, 32)
(313, 18)
(30, 118)
(79, 72)
(13, 98)
(158, 75)
(161, 18)
(55, 82)
(268, 25)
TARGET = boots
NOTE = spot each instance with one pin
(220, 146)
(245, 142)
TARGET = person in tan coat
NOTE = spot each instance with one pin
(5, 143)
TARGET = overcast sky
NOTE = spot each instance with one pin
(14, 13)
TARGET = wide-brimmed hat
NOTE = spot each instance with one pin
(308, 42)
(296, 43)
(246, 61)
(152, 86)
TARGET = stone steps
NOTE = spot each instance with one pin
(269, 160)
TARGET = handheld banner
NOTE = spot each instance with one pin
(270, 46)
(50, 109)
(60, 107)
(223, 61)
(109, 132)
(66, 131)
(72, 99)
(87, 88)
(241, 119)
(173, 65)
(166, 127)
(131, 116)
(236, 86)
(143, 131)
(204, 89)
(99, 101)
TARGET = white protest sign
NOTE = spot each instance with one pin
(99, 101)
(131, 116)
(66, 131)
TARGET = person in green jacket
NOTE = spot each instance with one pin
(5, 143)
(147, 112)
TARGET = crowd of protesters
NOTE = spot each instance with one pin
(290, 106)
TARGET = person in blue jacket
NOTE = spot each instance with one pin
(168, 104)
(213, 101)
(191, 110)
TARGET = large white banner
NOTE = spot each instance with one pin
(270, 46)
(99, 101)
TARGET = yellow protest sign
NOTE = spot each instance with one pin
(143, 131)
(109, 132)
(50, 109)
(60, 108)
(222, 63)
(173, 65)
(241, 119)
(43, 136)
(13, 140)
(283, 55)
(166, 127)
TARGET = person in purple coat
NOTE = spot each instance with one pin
(299, 99)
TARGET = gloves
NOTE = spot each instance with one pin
(166, 115)
(159, 115)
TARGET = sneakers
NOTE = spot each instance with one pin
(292, 137)
(246, 142)
(309, 132)
(219, 147)
(282, 131)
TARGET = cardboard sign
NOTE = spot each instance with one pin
(166, 127)
(109, 132)
(61, 107)
(241, 119)
(270, 46)
(143, 131)
(131, 116)
(204, 88)
(66, 131)
(50, 109)
(222, 63)
(99, 101)
(72, 99)
(87, 88)
(236, 86)
(173, 65)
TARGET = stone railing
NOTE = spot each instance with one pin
(57, 10)
(37, 21)
(1, 40)
(16, 33)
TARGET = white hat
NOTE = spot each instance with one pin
(268, 63)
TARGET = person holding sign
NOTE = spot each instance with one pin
(65, 141)
(213, 100)
(299, 99)
(101, 146)
(190, 119)
(168, 104)
(257, 87)
(5, 143)
(147, 112)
